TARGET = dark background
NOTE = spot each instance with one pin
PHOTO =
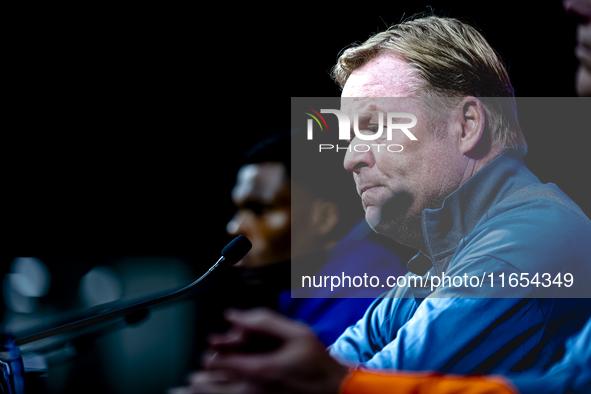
(126, 125)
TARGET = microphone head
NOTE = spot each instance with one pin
(236, 249)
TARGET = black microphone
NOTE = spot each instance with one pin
(232, 253)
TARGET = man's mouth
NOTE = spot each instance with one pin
(583, 49)
(366, 188)
(583, 53)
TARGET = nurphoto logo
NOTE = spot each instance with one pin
(371, 134)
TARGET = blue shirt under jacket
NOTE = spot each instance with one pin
(502, 220)
(329, 311)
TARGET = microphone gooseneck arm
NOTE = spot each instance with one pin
(233, 252)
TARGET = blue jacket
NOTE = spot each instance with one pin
(572, 374)
(501, 221)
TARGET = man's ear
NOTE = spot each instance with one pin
(472, 122)
(325, 216)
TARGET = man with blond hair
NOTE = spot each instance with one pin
(459, 193)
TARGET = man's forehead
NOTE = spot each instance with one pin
(259, 181)
(384, 76)
(371, 105)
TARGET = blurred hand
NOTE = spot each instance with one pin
(296, 363)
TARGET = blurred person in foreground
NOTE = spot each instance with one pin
(581, 9)
(298, 225)
(487, 212)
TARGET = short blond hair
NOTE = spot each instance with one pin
(449, 60)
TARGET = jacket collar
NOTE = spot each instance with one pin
(444, 228)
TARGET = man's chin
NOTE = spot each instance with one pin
(383, 227)
(240, 263)
(250, 263)
(403, 229)
(373, 218)
(247, 263)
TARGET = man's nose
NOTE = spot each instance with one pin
(359, 156)
(236, 226)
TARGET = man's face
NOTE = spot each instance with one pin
(396, 187)
(582, 8)
(262, 198)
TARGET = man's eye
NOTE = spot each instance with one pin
(256, 208)
(372, 129)
(368, 130)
